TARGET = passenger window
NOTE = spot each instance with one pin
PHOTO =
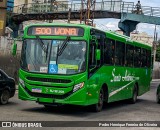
(137, 57)
(109, 51)
(92, 58)
(129, 55)
(119, 53)
(148, 58)
(143, 58)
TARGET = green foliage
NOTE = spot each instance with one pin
(158, 51)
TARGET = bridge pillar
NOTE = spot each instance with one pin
(127, 26)
(15, 30)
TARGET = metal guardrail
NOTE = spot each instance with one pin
(115, 6)
(146, 10)
(64, 6)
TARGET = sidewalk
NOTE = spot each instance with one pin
(16, 87)
(155, 80)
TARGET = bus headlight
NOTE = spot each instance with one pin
(78, 86)
(21, 82)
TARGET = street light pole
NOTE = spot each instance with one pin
(155, 45)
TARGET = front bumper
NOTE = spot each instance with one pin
(77, 98)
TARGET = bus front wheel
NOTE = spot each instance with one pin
(98, 107)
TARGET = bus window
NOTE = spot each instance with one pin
(119, 53)
(137, 57)
(109, 51)
(148, 58)
(129, 55)
(92, 58)
(143, 57)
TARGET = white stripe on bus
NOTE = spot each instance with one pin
(118, 90)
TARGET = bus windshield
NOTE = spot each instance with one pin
(42, 56)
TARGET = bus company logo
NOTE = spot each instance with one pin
(6, 124)
(127, 77)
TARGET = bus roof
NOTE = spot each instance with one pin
(110, 34)
(60, 24)
(127, 39)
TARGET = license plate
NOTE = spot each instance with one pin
(37, 90)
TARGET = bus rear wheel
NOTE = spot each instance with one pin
(134, 95)
(158, 98)
(98, 107)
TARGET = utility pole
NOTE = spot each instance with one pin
(87, 7)
(51, 5)
(26, 2)
(69, 15)
(155, 45)
(3, 13)
(24, 8)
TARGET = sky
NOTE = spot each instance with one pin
(112, 24)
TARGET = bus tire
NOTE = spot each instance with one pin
(158, 98)
(4, 97)
(98, 107)
(134, 95)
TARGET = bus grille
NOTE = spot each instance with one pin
(49, 80)
(48, 95)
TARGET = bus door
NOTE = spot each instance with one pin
(95, 63)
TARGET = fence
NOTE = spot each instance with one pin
(111, 5)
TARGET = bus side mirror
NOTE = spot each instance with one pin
(98, 54)
(14, 48)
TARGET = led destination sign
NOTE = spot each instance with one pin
(63, 31)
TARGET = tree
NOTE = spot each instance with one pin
(158, 51)
(11, 24)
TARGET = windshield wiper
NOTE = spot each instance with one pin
(41, 43)
(63, 46)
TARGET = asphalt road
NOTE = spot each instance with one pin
(146, 109)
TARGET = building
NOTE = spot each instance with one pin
(10, 5)
(3, 11)
(140, 37)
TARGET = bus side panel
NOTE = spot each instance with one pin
(124, 83)
(120, 82)
(113, 77)
(144, 79)
(102, 76)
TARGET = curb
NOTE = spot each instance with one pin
(16, 87)
(155, 80)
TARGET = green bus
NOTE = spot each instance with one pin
(81, 65)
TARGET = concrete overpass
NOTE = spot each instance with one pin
(104, 9)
